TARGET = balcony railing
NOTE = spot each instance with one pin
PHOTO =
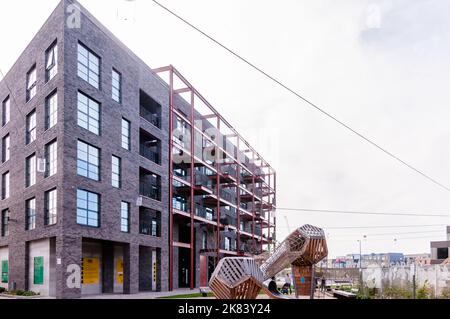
(150, 154)
(180, 205)
(150, 191)
(203, 212)
(150, 116)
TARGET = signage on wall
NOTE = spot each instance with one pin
(38, 271)
(119, 271)
(91, 271)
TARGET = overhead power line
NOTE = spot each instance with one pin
(374, 227)
(298, 95)
(329, 211)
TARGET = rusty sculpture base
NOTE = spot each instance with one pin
(303, 279)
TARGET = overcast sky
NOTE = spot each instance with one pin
(380, 66)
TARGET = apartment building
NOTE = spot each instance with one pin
(115, 177)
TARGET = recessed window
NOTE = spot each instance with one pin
(51, 158)
(116, 169)
(88, 114)
(88, 162)
(6, 145)
(51, 62)
(30, 171)
(31, 128)
(50, 207)
(5, 185)
(125, 217)
(116, 86)
(126, 133)
(30, 214)
(6, 111)
(88, 208)
(31, 83)
(51, 110)
(5, 222)
(88, 66)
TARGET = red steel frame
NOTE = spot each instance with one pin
(268, 176)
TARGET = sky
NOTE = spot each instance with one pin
(380, 66)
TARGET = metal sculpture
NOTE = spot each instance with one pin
(241, 278)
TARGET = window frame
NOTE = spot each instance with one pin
(89, 173)
(88, 114)
(116, 92)
(116, 176)
(51, 212)
(89, 70)
(30, 133)
(126, 136)
(5, 216)
(6, 111)
(30, 170)
(51, 158)
(6, 148)
(51, 114)
(5, 185)
(51, 70)
(87, 210)
(125, 221)
(30, 214)
(31, 87)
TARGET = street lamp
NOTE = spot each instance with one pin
(360, 264)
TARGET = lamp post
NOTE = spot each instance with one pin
(360, 264)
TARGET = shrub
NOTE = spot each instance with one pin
(445, 293)
(2, 290)
(424, 291)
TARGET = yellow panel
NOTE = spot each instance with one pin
(91, 271)
(119, 271)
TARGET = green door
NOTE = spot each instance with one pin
(4, 271)
(38, 271)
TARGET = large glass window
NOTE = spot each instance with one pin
(6, 144)
(31, 83)
(51, 158)
(6, 111)
(88, 208)
(51, 110)
(50, 207)
(88, 113)
(116, 86)
(5, 185)
(30, 212)
(116, 172)
(126, 133)
(5, 223)
(31, 127)
(88, 162)
(30, 171)
(51, 62)
(88, 66)
(125, 217)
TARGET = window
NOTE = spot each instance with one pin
(31, 127)
(88, 162)
(126, 134)
(6, 143)
(31, 83)
(51, 62)
(88, 208)
(5, 271)
(30, 212)
(442, 253)
(50, 207)
(6, 111)
(125, 217)
(154, 230)
(227, 243)
(51, 158)
(204, 240)
(116, 86)
(88, 114)
(5, 223)
(51, 110)
(116, 168)
(88, 66)
(30, 171)
(5, 186)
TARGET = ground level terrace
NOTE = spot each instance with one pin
(80, 267)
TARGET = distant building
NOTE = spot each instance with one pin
(440, 249)
(418, 259)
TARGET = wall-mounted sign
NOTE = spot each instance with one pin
(91, 271)
(119, 271)
(38, 271)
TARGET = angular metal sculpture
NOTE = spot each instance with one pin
(241, 278)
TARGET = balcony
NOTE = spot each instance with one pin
(180, 203)
(150, 147)
(150, 110)
(205, 212)
(149, 185)
(149, 222)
